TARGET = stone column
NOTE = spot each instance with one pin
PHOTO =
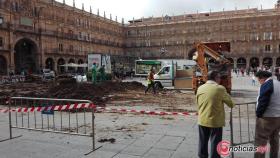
(274, 62)
(247, 62)
(234, 62)
(55, 64)
(11, 61)
(261, 61)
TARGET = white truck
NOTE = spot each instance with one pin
(175, 73)
(143, 67)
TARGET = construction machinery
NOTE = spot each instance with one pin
(209, 56)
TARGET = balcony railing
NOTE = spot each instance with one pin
(30, 29)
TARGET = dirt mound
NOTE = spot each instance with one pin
(88, 91)
(67, 90)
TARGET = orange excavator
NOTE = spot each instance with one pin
(209, 56)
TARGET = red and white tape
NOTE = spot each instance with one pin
(146, 111)
(91, 105)
(48, 108)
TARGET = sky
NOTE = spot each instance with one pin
(129, 9)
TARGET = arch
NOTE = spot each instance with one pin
(3, 65)
(241, 62)
(80, 61)
(71, 61)
(254, 62)
(26, 56)
(267, 62)
(50, 64)
(81, 69)
(61, 69)
(231, 62)
(71, 69)
(278, 62)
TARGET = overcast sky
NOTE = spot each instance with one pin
(128, 9)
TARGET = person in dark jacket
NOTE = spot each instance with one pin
(268, 114)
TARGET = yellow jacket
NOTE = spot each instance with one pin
(210, 99)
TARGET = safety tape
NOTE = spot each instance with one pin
(51, 108)
(100, 109)
(121, 110)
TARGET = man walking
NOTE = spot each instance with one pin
(210, 99)
(268, 114)
(150, 81)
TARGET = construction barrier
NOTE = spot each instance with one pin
(242, 124)
(24, 115)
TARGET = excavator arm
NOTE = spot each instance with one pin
(200, 54)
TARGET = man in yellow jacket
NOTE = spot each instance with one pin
(210, 98)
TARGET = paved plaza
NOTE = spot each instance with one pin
(137, 136)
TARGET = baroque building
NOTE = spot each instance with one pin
(36, 34)
(254, 35)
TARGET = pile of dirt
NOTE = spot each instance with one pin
(90, 91)
(68, 90)
(24, 89)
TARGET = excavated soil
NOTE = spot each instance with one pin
(110, 93)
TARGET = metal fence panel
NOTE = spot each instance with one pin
(64, 116)
(242, 124)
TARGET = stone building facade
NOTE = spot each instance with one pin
(36, 34)
(254, 35)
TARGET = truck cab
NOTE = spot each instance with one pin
(172, 75)
(164, 78)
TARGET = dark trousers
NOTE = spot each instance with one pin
(149, 86)
(267, 130)
(215, 135)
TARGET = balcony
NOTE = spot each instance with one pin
(4, 26)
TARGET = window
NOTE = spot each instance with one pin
(165, 70)
(1, 20)
(267, 36)
(60, 47)
(71, 48)
(254, 36)
(1, 42)
(88, 37)
(268, 48)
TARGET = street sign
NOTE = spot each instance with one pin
(48, 111)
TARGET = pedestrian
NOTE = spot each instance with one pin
(210, 98)
(102, 73)
(235, 71)
(93, 69)
(253, 80)
(242, 72)
(150, 81)
(277, 73)
(268, 114)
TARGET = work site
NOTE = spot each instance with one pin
(78, 83)
(115, 117)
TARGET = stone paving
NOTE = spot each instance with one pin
(154, 137)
